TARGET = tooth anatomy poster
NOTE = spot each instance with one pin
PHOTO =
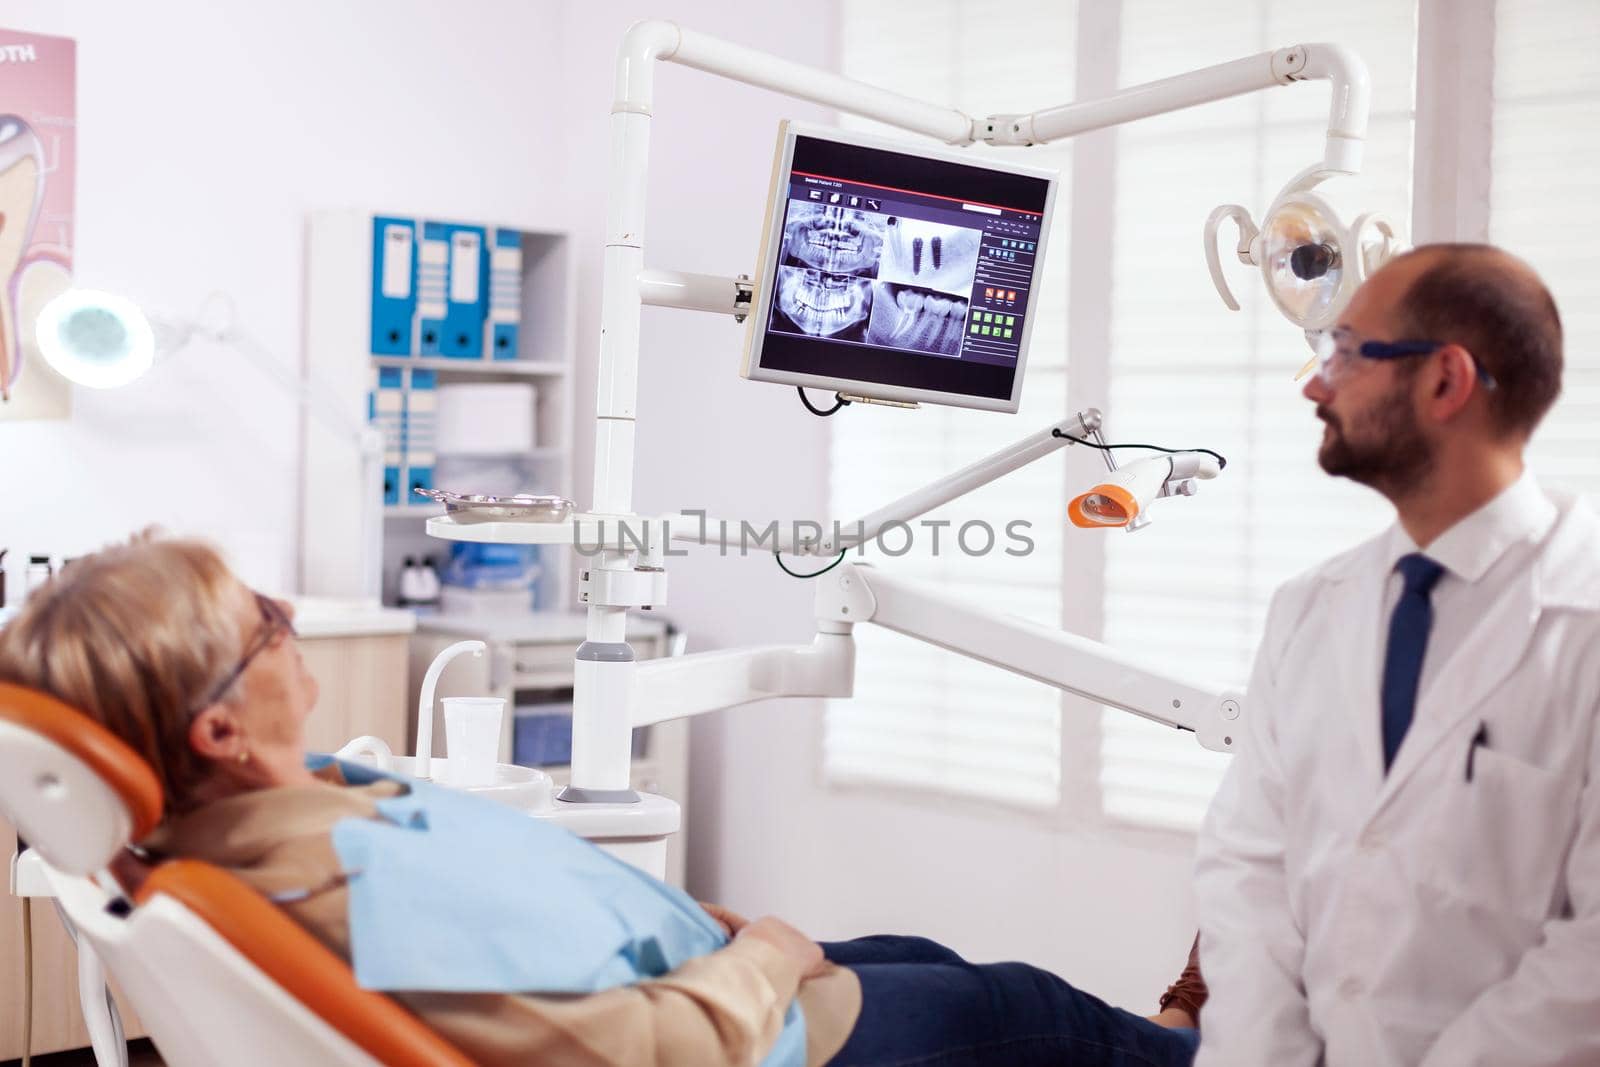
(38, 108)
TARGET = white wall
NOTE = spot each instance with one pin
(206, 138)
(205, 135)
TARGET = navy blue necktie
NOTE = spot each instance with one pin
(1408, 642)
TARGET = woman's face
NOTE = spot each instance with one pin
(268, 723)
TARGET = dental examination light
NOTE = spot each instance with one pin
(1311, 262)
(844, 301)
(105, 340)
(1124, 499)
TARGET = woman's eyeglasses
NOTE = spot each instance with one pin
(275, 625)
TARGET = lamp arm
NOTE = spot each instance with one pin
(856, 593)
(839, 537)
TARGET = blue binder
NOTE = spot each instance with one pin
(457, 331)
(386, 406)
(422, 431)
(505, 294)
(394, 285)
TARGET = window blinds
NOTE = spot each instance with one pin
(1194, 586)
(1543, 207)
(922, 718)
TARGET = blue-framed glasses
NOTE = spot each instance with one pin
(1338, 348)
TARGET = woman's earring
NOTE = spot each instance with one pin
(244, 757)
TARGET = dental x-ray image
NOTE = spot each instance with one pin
(930, 255)
(920, 319)
(822, 305)
(832, 239)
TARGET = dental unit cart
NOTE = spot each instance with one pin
(529, 665)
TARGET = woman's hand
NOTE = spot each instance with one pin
(730, 921)
(805, 953)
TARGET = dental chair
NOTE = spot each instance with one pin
(215, 971)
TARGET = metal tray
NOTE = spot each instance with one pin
(477, 507)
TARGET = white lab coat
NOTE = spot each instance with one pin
(1359, 920)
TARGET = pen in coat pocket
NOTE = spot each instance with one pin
(1479, 739)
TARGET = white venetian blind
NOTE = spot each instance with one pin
(1185, 372)
(922, 718)
(1544, 205)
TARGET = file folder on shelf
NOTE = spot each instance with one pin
(505, 294)
(453, 289)
(433, 276)
(421, 434)
(386, 406)
(394, 271)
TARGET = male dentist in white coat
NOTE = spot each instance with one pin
(1402, 865)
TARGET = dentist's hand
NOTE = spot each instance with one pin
(731, 921)
(797, 947)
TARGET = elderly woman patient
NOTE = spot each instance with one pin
(159, 642)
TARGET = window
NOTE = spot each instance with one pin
(1542, 204)
(1179, 368)
(922, 718)
(1194, 586)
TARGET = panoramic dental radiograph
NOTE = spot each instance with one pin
(831, 239)
(823, 305)
(851, 275)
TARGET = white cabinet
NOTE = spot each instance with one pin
(379, 303)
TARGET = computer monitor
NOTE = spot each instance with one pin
(898, 272)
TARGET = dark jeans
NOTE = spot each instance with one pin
(923, 1005)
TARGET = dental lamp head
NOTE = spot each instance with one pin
(1125, 497)
(1311, 262)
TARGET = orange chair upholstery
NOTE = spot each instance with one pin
(81, 763)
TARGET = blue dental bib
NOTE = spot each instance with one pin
(455, 893)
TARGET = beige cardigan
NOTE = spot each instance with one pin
(725, 1008)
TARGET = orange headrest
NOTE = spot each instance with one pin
(74, 790)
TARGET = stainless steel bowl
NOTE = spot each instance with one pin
(523, 507)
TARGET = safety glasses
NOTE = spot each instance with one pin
(275, 625)
(1337, 350)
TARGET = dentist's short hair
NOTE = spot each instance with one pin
(1495, 306)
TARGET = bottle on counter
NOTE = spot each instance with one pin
(39, 571)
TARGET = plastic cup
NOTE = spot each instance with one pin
(472, 738)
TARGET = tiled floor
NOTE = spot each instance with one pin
(140, 1054)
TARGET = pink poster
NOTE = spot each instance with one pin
(38, 115)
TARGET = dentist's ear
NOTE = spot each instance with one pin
(1453, 379)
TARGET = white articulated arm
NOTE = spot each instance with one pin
(709, 681)
(1076, 664)
(1347, 117)
(658, 40)
(839, 537)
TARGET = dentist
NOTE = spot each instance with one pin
(1403, 864)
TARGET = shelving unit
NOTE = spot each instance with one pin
(339, 342)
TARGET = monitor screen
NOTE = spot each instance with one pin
(898, 273)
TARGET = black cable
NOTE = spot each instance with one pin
(806, 400)
(1222, 461)
(814, 574)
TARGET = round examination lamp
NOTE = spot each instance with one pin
(1311, 261)
(94, 338)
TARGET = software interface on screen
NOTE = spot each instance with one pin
(916, 271)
